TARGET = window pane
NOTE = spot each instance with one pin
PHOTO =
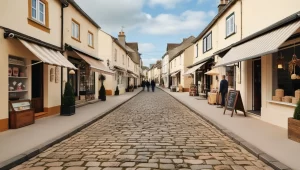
(33, 13)
(41, 12)
(33, 4)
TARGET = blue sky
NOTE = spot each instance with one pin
(152, 23)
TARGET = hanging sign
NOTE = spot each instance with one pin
(234, 102)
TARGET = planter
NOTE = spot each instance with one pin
(294, 129)
(67, 110)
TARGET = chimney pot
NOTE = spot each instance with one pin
(222, 4)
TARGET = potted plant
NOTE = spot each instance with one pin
(102, 91)
(294, 125)
(68, 105)
(117, 91)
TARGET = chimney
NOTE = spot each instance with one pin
(222, 4)
(122, 37)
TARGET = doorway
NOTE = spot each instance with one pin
(256, 102)
(37, 83)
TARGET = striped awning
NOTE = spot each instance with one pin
(262, 45)
(96, 64)
(193, 69)
(175, 73)
(48, 56)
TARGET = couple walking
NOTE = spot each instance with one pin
(147, 84)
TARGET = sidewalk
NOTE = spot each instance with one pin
(269, 139)
(18, 145)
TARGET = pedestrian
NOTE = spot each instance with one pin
(143, 84)
(223, 90)
(153, 85)
(148, 85)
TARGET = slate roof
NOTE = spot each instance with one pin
(186, 43)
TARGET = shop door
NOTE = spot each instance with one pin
(37, 91)
(257, 86)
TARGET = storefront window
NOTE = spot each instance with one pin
(87, 79)
(283, 76)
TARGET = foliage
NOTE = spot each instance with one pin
(297, 111)
(68, 97)
(117, 91)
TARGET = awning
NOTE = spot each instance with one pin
(132, 75)
(193, 69)
(212, 72)
(175, 73)
(120, 68)
(95, 64)
(262, 45)
(48, 56)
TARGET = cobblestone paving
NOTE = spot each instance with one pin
(152, 131)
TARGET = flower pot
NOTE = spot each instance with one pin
(294, 129)
(67, 110)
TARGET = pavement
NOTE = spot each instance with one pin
(266, 140)
(152, 131)
(18, 145)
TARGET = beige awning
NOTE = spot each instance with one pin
(262, 45)
(175, 73)
(212, 72)
(193, 69)
(47, 55)
(96, 64)
(132, 75)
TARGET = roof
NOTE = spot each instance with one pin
(134, 55)
(215, 19)
(186, 43)
(145, 68)
(171, 46)
(158, 64)
(76, 6)
(134, 46)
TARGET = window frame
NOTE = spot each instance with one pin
(232, 15)
(205, 42)
(92, 35)
(76, 23)
(197, 48)
(35, 21)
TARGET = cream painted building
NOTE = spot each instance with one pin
(179, 58)
(81, 49)
(28, 35)
(249, 54)
(165, 64)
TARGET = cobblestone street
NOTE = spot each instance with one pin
(151, 131)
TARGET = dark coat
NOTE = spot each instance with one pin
(152, 83)
(143, 83)
(224, 86)
(147, 83)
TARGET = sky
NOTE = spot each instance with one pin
(151, 23)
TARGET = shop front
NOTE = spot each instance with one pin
(34, 73)
(85, 80)
(121, 79)
(269, 71)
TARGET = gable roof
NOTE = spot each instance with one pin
(171, 46)
(134, 46)
(214, 20)
(134, 55)
(76, 6)
(186, 43)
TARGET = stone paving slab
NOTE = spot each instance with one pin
(151, 131)
(22, 144)
(251, 148)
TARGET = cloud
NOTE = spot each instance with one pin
(201, 1)
(168, 4)
(111, 15)
(146, 47)
(168, 24)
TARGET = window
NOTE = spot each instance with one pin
(207, 43)
(116, 54)
(128, 61)
(196, 50)
(75, 30)
(90, 39)
(230, 25)
(175, 62)
(123, 59)
(38, 11)
(38, 14)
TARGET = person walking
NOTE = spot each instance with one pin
(143, 85)
(148, 85)
(223, 90)
(153, 85)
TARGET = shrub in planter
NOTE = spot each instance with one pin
(117, 91)
(68, 105)
(102, 91)
(294, 125)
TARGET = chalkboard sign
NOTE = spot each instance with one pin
(234, 102)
